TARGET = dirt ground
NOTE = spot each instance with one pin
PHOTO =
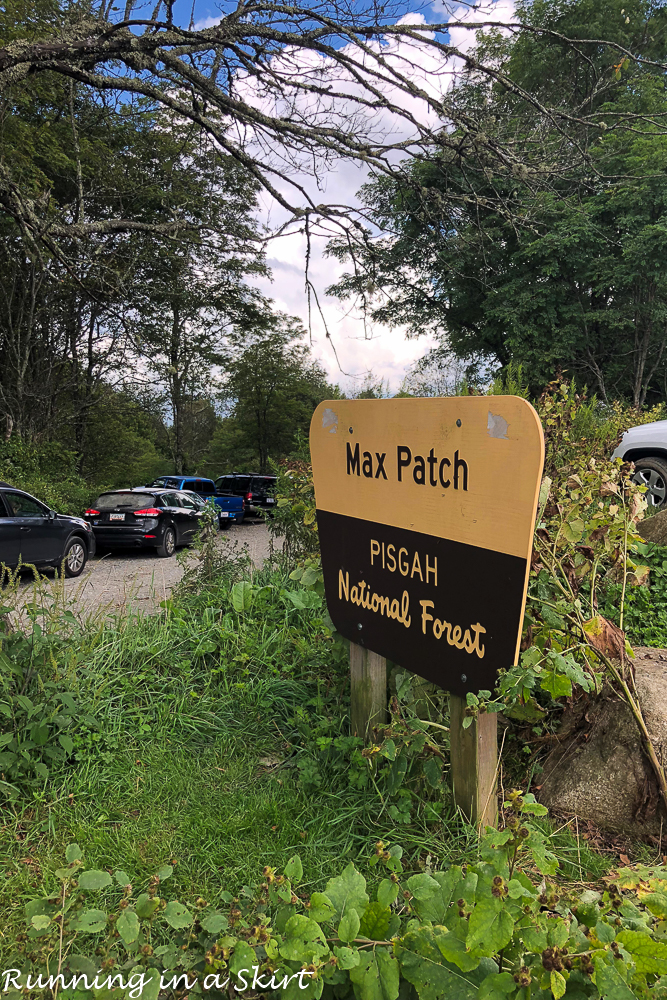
(134, 580)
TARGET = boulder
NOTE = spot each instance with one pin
(654, 529)
(599, 771)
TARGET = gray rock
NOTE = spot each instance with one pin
(654, 529)
(599, 771)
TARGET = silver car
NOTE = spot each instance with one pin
(646, 446)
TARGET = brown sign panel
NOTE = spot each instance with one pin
(426, 509)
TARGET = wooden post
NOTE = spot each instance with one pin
(474, 756)
(368, 695)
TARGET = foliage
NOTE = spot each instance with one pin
(39, 714)
(295, 518)
(272, 385)
(484, 929)
(645, 615)
(512, 264)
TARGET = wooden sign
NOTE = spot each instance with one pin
(426, 510)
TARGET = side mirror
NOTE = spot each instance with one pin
(52, 515)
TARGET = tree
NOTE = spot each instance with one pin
(78, 307)
(272, 387)
(575, 279)
(278, 86)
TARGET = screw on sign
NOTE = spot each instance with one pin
(425, 510)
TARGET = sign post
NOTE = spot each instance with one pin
(425, 510)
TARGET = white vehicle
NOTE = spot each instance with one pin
(646, 446)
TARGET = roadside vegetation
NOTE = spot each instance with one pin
(207, 747)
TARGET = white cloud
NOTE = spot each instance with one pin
(350, 348)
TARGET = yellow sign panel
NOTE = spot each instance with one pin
(426, 510)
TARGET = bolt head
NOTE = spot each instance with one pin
(463, 676)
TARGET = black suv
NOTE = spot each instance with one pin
(256, 490)
(146, 518)
(32, 533)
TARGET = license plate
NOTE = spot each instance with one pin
(270, 501)
(224, 513)
(116, 517)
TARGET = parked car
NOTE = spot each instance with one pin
(646, 446)
(146, 518)
(30, 532)
(256, 490)
(230, 510)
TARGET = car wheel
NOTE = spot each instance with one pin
(168, 545)
(652, 473)
(75, 557)
(226, 524)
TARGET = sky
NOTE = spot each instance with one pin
(353, 349)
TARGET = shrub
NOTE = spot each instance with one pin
(495, 929)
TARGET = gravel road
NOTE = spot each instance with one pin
(127, 580)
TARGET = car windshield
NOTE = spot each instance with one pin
(133, 501)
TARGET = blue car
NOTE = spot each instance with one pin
(230, 508)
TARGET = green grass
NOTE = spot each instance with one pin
(219, 738)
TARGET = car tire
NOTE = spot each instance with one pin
(167, 546)
(226, 524)
(652, 473)
(241, 519)
(75, 558)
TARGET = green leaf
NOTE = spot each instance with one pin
(348, 928)
(435, 979)
(80, 963)
(387, 892)
(214, 922)
(122, 878)
(321, 908)
(146, 906)
(423, 886)
(532, 806)
(303, 940)
(242, 595)
(66, 743)
(376, 977)
(94, 879)
(128, 926)
(177, 915)
(347, 890)
(558, 685)
(610, 983)
(91, 922)
(558, 985)
(165, 872)
(559, 932)
(151, 983)
(347, 957)
(649, 955)
(656, 903)
(490, 926)
(433, 772)
(375, 922)
(573, 530)
(496, 985)
(40, 921)
(516, 890)
(294, 869)
(243, 958)
(453, 949)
